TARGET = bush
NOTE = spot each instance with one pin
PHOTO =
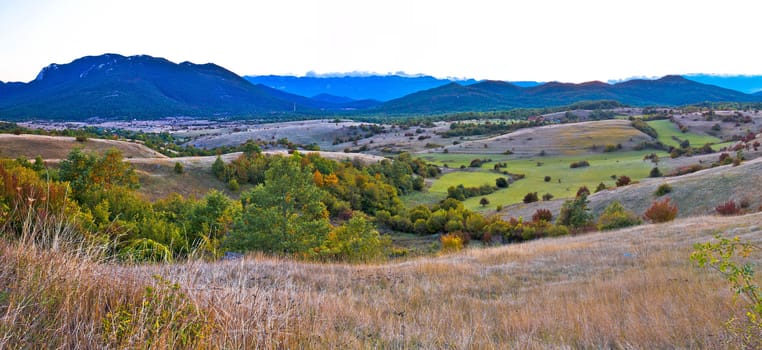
(557, 231)
(179, 169)
(484, 202)
(610, 148)
(547, 178)
(728, 208)
(579, 164)
(655, 172)
(547, 197)
(542, 215)
(81, 138)
(451, 243)
(233, 185)
(662, 190)
(575, 213)
(530, 197)
(501, 182)
(623, 181)
(616, 216)
(661, 211)
(601, 187)
(583, 191)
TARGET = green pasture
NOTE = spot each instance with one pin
(602, 167)
(455, 160)
(667, 131)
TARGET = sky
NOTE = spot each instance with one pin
(541, 40)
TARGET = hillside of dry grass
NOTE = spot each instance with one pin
(560, 139)
(632, 288)
(57, 147)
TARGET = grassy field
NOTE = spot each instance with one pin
(602, 167)
(632, 288)
(57, 147)
(668, 131)
(560, 139)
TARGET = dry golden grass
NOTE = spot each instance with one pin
(57, 147)
(560, 139)
(632, 288)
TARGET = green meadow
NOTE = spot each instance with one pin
(668, 131)
(602, 167)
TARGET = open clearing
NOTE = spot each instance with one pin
(560, 139)
(668, 133)
(602, 167)
(57, 147)
(632, 288)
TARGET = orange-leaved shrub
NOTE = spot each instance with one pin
(661, 211)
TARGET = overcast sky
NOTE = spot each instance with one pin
(540, 40)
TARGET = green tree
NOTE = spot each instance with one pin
(218, 168)
(283, 215)
(179, 169)
(356, 240)
(575, 213)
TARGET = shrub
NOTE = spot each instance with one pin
(451, 243)
(501, 182)
(655, 172)
(616, 216)
(81, 138)
(623, 181)
(530, 197)
(547, 197)
(233, 185)
(728, 208)
(579, 164)
(601, 187)
(484, 202)
(610, 148)
(547, 178)
(476, 163)
(661, 211)
(179, 169)
(542, 214)
(557, 231)
(583, 191)
(663, 189)
(575, 213)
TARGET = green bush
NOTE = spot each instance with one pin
(575, 213)
(663, 189)
(531, 197)
(616, 216)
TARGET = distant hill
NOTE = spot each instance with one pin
(112, 86)
(141, 86)
(496, 95)
(371, 87)
(743, 83)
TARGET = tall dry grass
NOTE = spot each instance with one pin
(633, 288)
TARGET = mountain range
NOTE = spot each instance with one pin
(115, 86)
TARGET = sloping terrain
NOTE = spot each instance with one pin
(695, 194)
(57, 147)
(488, 96)
(561, 139)
(631, 288)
